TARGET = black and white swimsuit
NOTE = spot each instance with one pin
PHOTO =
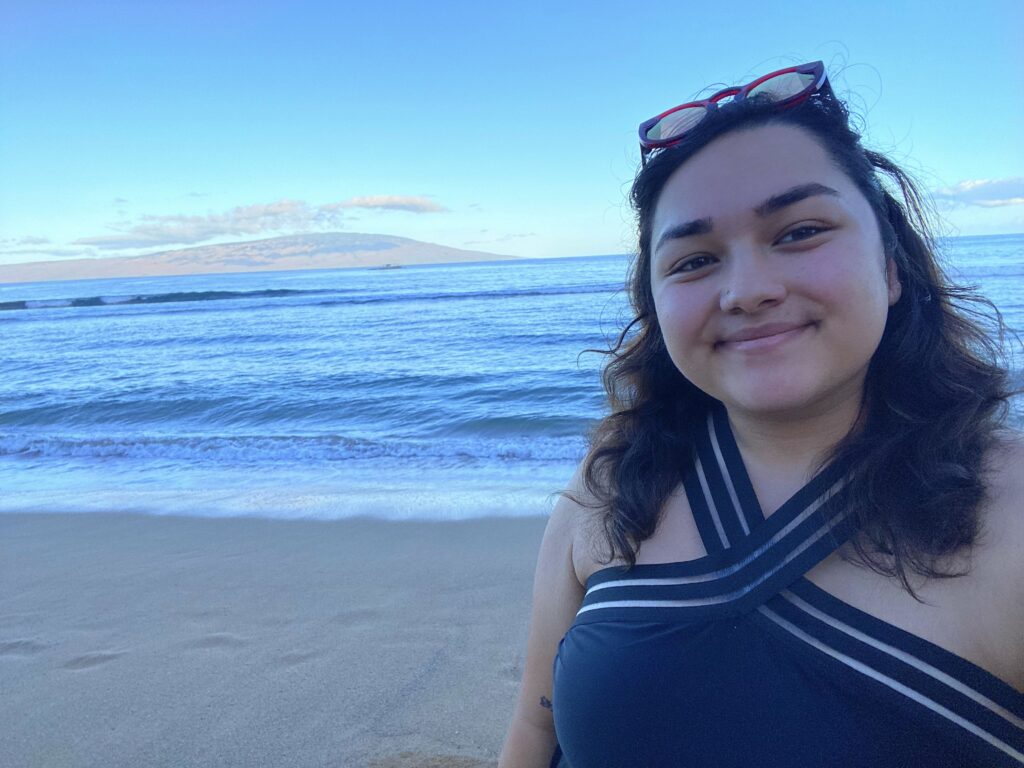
(736, 659)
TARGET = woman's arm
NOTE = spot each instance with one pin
(557, 595)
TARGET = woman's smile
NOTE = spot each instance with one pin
(763, 338)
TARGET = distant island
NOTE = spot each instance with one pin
(328, 250)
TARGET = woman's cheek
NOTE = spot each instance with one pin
(682, 326)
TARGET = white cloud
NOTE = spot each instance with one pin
(13, 249)
(262, 218)
(411, 203)
(987, 193)
(502, 239)
(282, 216)
(35, 254)
(24, 241)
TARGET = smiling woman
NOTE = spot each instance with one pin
(796, 539)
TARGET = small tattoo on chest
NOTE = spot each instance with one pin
(545, 702)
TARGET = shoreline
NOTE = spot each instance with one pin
(148, 640)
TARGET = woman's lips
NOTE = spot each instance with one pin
(771, 339)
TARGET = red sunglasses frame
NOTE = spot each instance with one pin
(738, 93)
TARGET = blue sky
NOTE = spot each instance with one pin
(134, 127)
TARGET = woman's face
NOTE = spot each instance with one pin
(769, 276)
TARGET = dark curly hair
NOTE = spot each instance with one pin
(935, 395)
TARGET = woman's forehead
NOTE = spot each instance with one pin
(740, 170)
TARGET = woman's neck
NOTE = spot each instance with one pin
(791, 444)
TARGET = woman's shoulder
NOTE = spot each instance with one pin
(1000, 546)
(999, 552)
(579, 520)
(1003, 518)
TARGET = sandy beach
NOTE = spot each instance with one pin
(131, 640)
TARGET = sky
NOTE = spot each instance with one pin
(135, 127)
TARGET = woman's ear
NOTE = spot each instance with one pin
(892, 278)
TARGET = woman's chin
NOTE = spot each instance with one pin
(767, 400)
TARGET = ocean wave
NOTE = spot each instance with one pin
(569, 290)
(262, 450)
(536, 425)
(399, 404)
(359, 297)
(173, 297)
(301, 502)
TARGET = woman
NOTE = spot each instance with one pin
(798, 538)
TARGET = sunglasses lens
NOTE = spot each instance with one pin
(676, 124)
(782, 87)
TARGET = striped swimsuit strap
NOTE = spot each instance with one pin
(756, 567)
(750, 559)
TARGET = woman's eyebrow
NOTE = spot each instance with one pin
(772, 205)
(792, 196)
(690, 228)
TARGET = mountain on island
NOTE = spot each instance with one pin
(328, 250)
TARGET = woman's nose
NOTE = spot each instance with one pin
(751, 283)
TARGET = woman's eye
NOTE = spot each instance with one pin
(693, 263)
(801, 233)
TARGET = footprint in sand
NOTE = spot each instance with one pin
(218, 640)
(21, 648)
(91, 660)
(297, 657)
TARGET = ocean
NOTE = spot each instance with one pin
(427, 392)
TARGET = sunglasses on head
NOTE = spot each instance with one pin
(785, 88)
